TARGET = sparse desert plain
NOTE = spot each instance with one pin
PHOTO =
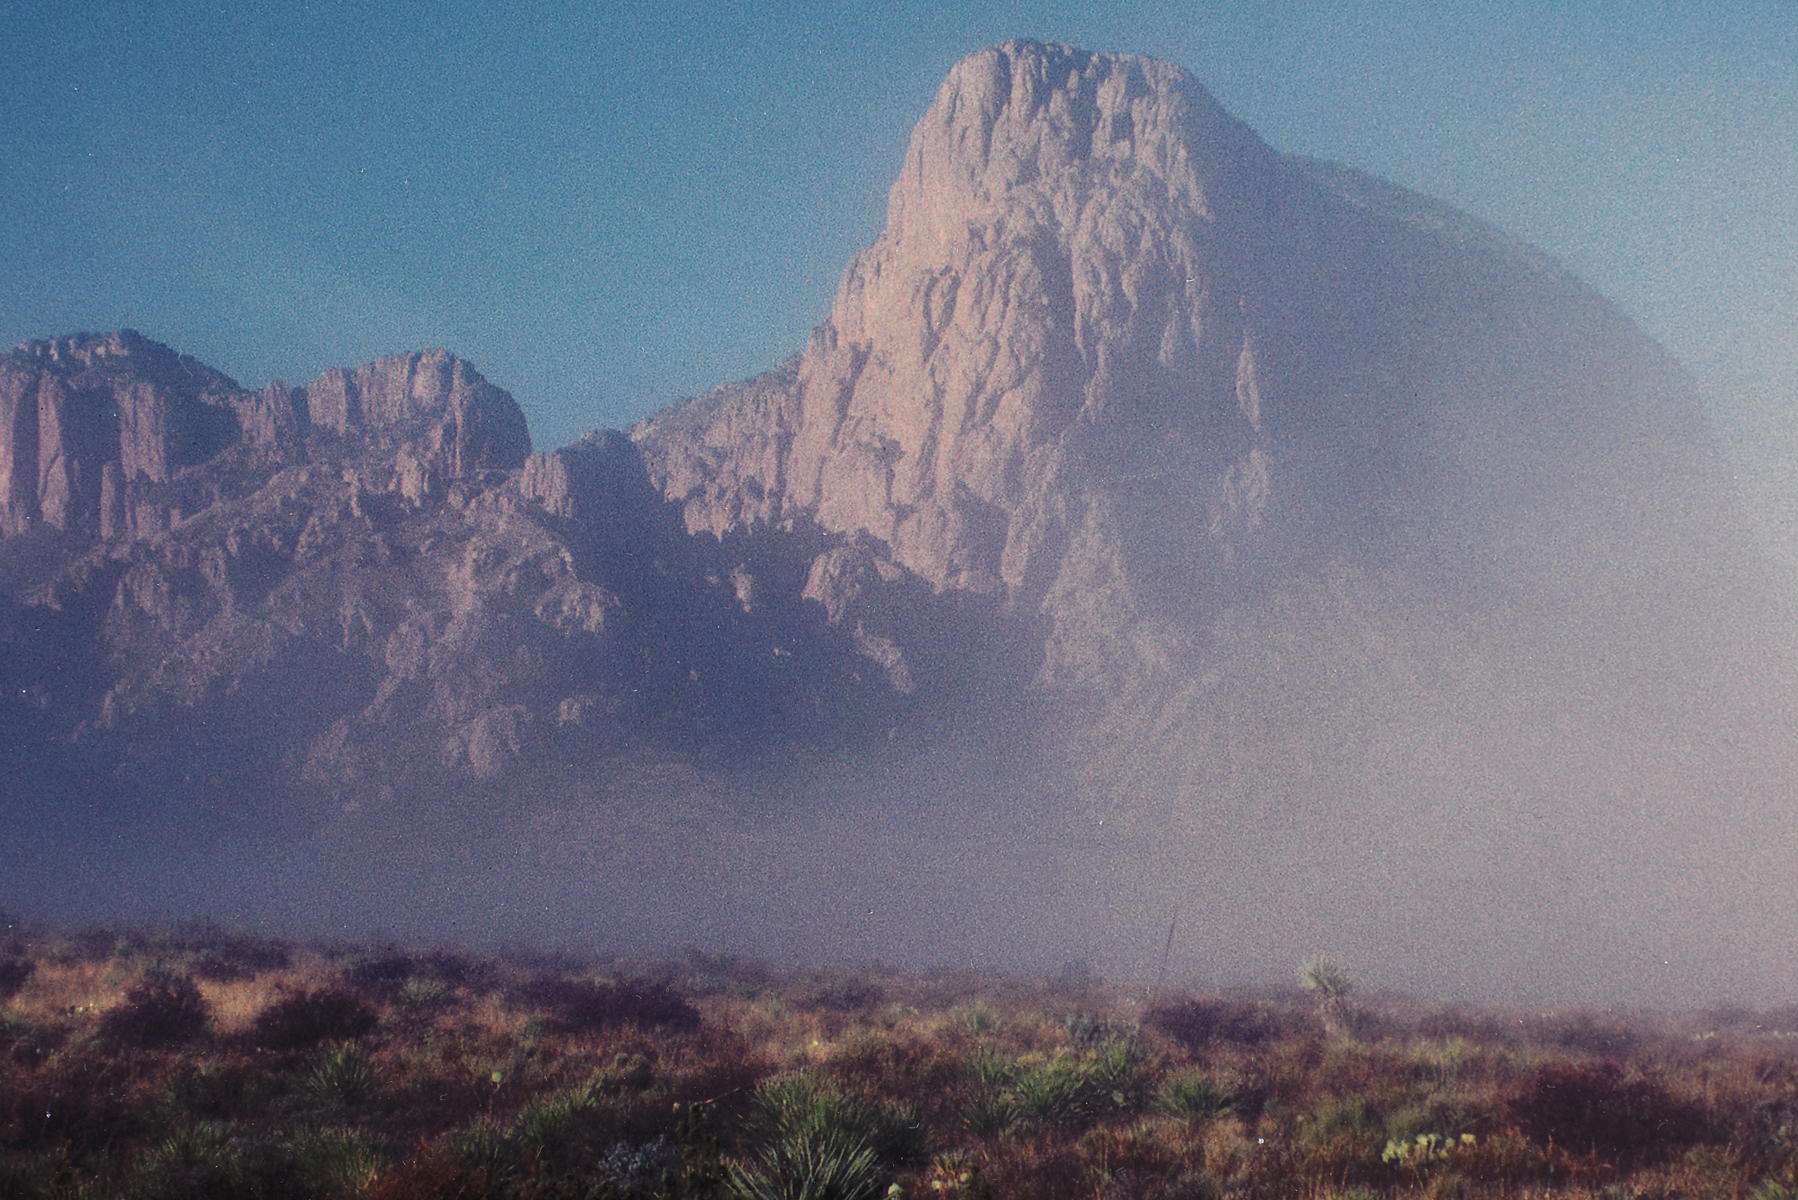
(205, 1063)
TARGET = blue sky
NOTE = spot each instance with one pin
(610, 206)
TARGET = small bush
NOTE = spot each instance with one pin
(1595, 1108)
(1584, 1033)
(304, 1018)
(809, 1106)
(162, 1010)
(584, 1006)
(342, 1076)
(484, 1149)
(1195, 1096)
(1198, 1024)
(1090, 1030)
(1076, 1091)
(381, 971)
(336, 1161)
(827, 1165)
(638, 1170)
(426, 995)
(223, 957)
(14, 974)
(28, 1043)
(194, 1161)
(846, 995)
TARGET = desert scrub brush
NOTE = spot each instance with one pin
(342, 1075)
(336, 1162)
(812, 1164)
(1194, 1095)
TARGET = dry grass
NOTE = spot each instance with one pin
(954, 1086)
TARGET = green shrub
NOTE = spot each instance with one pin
(808, 1106)
(1077, 1090)
(1341, 1119)
(336, 1162)
(426, 995)
(342, 1075)
(551, 1129)
(1194, 1095)
(992, 1114)
(810, 1165)
(982, 1019)
(484, 1148)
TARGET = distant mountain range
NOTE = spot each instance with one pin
(1159, 528)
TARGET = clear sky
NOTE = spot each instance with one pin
(606, 207)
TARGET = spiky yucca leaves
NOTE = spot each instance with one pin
(553, 1130)
(193, 1161)
(810, 1106)
(1194, 1095)
(1071, 1089)
(1326, 979)
(810, 1164)
(483, 1148)
(336, 1162)
(342, 1075)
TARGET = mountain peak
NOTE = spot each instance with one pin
(1028, 121)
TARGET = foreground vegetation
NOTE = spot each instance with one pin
(202, 1063)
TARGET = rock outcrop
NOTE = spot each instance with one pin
(1117, 364)
(366, 586)
(82, 418)
(96, 428)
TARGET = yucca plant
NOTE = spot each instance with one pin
(547, 1128)
(810, 1165)
(991, 1115)
(808, 1105)
(1195, 1096)
(1325, 979)
(342, 1075)
(193, 1160)
(484, 1148)
(336, 1162)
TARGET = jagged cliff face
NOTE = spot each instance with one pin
(98, 428)
(1116, 364)
(356, 589)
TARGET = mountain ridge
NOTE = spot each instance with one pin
(1157, 523)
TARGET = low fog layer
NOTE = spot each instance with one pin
(1160, 532)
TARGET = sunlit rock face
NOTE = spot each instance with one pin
(1117, 364)
(95, 430)
(1353, 563)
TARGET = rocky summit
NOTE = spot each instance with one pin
(1159, 526)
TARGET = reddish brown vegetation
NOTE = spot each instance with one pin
(126, 1071)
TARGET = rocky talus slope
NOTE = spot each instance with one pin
(1157, 524)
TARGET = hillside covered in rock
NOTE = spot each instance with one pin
(1158, 526)
(356, 589)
